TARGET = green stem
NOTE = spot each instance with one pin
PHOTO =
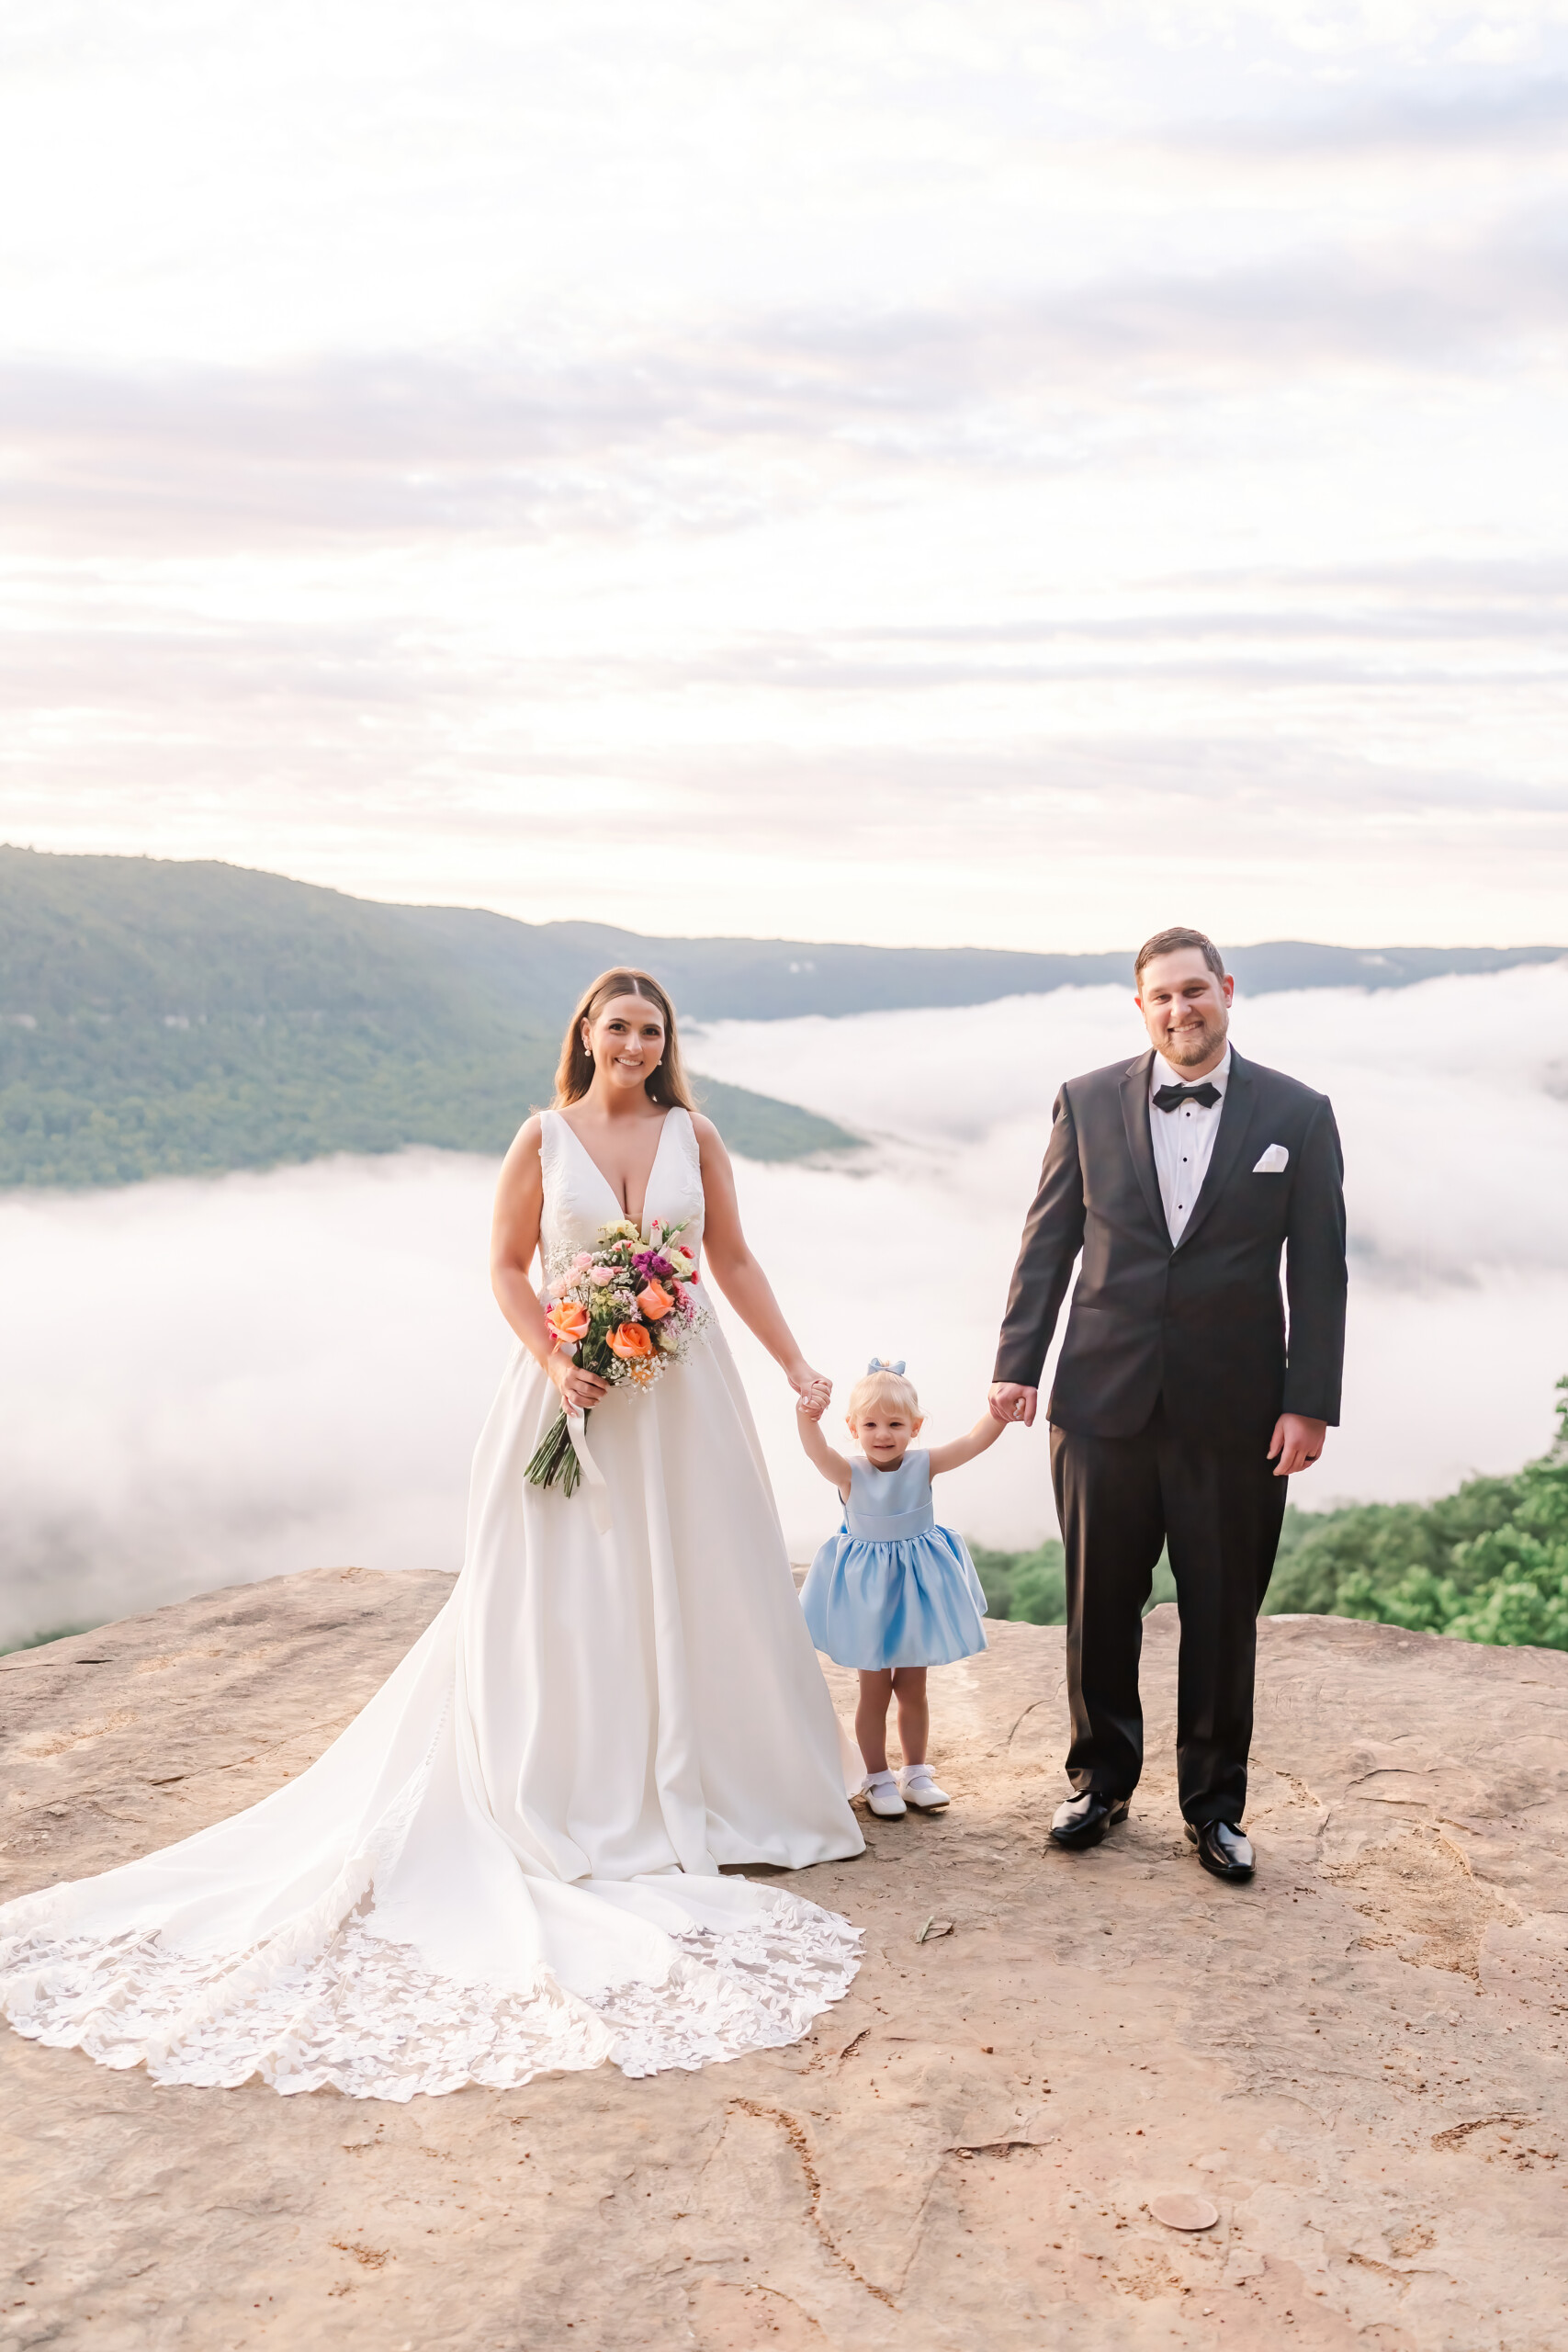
(555, 1462)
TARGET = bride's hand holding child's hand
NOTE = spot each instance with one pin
(813, 1390)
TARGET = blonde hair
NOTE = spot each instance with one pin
(575, 1074)
(883, 1384)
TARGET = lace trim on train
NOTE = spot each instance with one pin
(363, 2017)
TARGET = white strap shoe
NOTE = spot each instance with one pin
(918, 1788)
(882, 1796)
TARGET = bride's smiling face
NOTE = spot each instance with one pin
(626, 1042)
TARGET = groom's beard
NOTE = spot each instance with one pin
(1185, 1047)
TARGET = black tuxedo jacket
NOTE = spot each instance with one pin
(1201, 1326)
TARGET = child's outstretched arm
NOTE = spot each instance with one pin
(985, 1432)
(808, 1415)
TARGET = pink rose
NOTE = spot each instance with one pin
(600, 1276)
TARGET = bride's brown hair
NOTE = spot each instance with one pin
(574, 1074)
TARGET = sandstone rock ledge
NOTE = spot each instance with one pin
(1360, 2060)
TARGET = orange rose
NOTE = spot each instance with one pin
(568, 1320)
(655, 1300)
(631, 1343)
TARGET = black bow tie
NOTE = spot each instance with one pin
(1168, 1097)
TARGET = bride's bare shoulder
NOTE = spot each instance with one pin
(711, 1152)
(522, 1152)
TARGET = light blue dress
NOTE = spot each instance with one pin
(892, 1588)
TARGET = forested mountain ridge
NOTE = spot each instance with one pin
(170, 1019)
(770, 979)
(161, 1017)
(122, 930)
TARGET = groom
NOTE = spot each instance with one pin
(1180, 1407)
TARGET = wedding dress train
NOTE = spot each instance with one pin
(509, 1861)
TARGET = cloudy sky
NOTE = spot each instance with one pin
(966, 470)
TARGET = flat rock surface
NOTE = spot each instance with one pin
(1358, 2061)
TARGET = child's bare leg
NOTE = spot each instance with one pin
(914, 1715)
(871, 1716)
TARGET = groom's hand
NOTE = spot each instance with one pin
(1009, 1401)
(1297, 1441)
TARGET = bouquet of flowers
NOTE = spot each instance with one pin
(626, 1309)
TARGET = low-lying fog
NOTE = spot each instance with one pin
(203, 1382)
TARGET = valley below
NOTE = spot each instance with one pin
(206, 1381)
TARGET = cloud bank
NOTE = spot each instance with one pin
(202, 1384)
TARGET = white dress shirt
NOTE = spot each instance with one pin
(1183, 1139)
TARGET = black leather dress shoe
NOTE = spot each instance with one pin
(1083, 1821)
(1223, 1849)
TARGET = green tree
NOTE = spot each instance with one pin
(1029, 1585)
(1486, 1563)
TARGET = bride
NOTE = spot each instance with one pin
(510, 1860)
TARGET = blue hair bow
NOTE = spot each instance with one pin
(876, 1365)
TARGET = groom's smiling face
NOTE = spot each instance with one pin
(1186, 1009)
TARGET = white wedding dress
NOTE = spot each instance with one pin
(510, 1861)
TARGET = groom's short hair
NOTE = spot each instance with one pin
(1166, 943)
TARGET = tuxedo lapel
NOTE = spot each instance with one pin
(1135, 1119)
(1235, 1116)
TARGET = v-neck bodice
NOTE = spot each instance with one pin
(580, 1198)
(610, 1190)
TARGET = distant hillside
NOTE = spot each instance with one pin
(161, 1018)
(770, 979)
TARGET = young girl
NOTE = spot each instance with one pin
(892, 1592)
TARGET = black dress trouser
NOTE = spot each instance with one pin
(1119, 1500)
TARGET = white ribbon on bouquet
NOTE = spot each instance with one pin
(593, 1477)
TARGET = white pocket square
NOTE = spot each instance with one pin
(1274, 1162)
